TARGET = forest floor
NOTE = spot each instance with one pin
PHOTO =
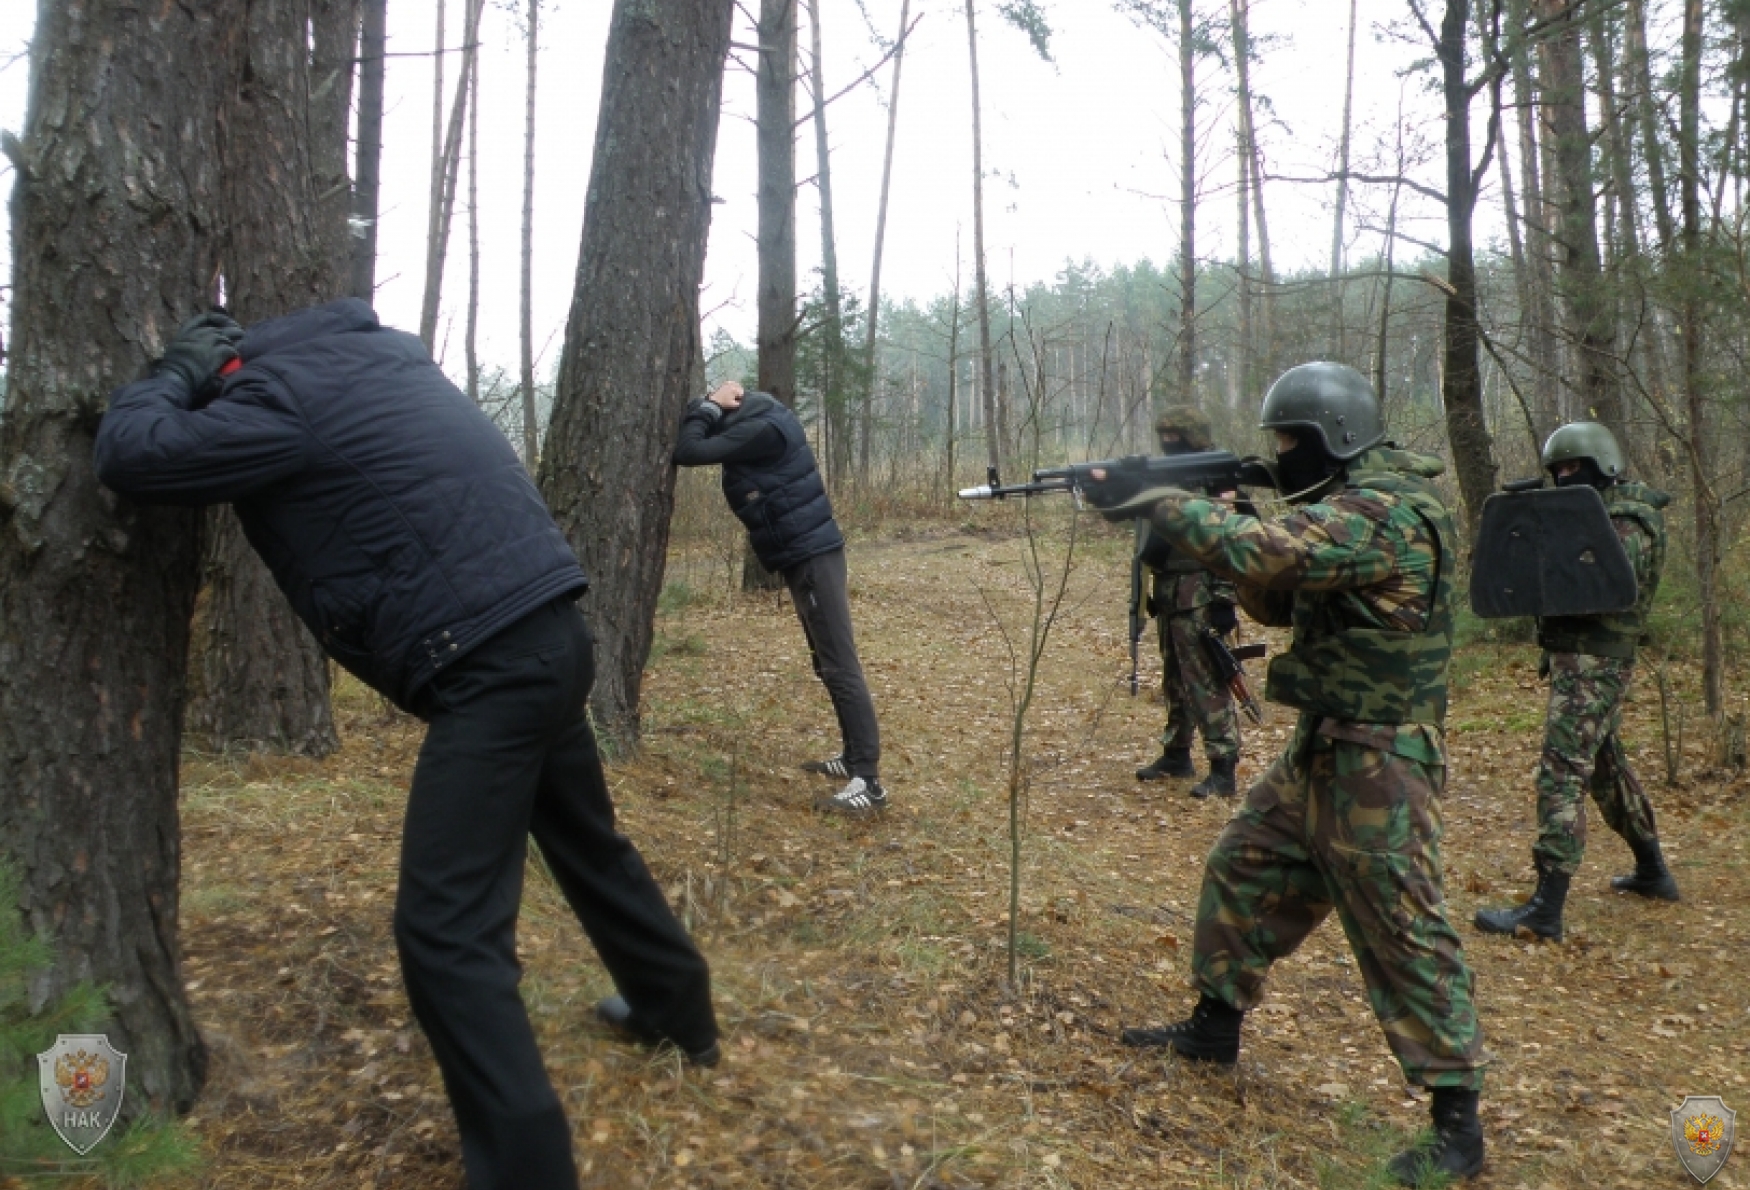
(873, 1038)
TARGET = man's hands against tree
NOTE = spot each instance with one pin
(203, 345)
(727, 396)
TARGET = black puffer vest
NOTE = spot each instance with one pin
(783, 503)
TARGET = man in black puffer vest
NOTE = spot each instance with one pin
(408, 536)
(775, 490)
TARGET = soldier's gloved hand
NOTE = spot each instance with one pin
(203, 345)
(1222, 617)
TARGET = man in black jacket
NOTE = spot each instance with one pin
(774, 488)
(407, 535)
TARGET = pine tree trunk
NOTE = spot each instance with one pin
(117, 170)
(995, 432)
(263, 681)
(471, 338)
(775, 133)
(449, 167)
(834, 396)
(1187, 386)
(1707, 513)
(874, 313)
(1461, 381)
(1539, 308)
(632, 339)
(531, 433)
(1337, 324)
(1255, 160)
(1592, 328)
(368, 171)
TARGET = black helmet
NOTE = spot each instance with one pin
(1334, 401)
(1585, 441)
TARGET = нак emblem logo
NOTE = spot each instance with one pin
(82, 1077)
(1702, 1131)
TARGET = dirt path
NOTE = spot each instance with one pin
(872, 1038)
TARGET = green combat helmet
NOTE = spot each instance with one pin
(1585, 441)
(1334, 401)
(1189, 423)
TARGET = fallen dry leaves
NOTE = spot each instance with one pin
(871, 1038)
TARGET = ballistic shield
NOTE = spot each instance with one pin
(1549, 552)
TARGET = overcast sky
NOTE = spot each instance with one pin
(1081, 152)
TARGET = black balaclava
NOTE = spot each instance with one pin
(1587, 476)
(1307, 466)
(1180, 447)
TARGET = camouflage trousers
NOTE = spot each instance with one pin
(1581, 750)
(1196, 700)
(1352, 828)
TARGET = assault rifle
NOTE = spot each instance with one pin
(1134, 481)
(1229, 672)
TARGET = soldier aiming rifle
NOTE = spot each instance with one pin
(1348, 818)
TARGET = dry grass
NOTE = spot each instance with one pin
(871, 1039)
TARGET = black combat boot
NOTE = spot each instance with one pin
(1542, 914)
(1220, 781)
(1456, 1149)
(1212, 1034)
(1173, 762)
(1651, 878)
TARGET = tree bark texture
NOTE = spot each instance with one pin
(1187, 385)
(1462, 382)
(114, 231)
(632, 339)
(995, 433)
(1537, 303)
(1337, 217)
(531, 433)
(874, 313)
(368, 171)
(775, 120)
(833, 395)
(437, 247)
(1581, 278)
(1255, 160)
(261, 680)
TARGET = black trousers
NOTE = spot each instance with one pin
(818, 588)
(510, 754)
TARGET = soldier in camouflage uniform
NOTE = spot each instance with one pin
(1590, 660)
(1349, 817)
(1189, 601)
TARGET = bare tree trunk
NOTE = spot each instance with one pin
(95, 592)
(471, 338)
(370, 150)
(1337, 268)
(1461, 380)
(437, 246)
(1646, 115)
(833, 394)
(1188, 205)
(1248, 133)
(263, 682)
(531, 432)
(775, 88)
(1582, 280)
(996, 432)
(1707, 516)
(880, 240)
(1538, 309)
(632, 340)
(953, 358)
(1246, 367)
(435, 199)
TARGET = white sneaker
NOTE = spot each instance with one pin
(859, 799)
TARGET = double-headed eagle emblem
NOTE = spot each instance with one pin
(81, 1075)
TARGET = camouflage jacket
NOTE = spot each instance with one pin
(1360, 571)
